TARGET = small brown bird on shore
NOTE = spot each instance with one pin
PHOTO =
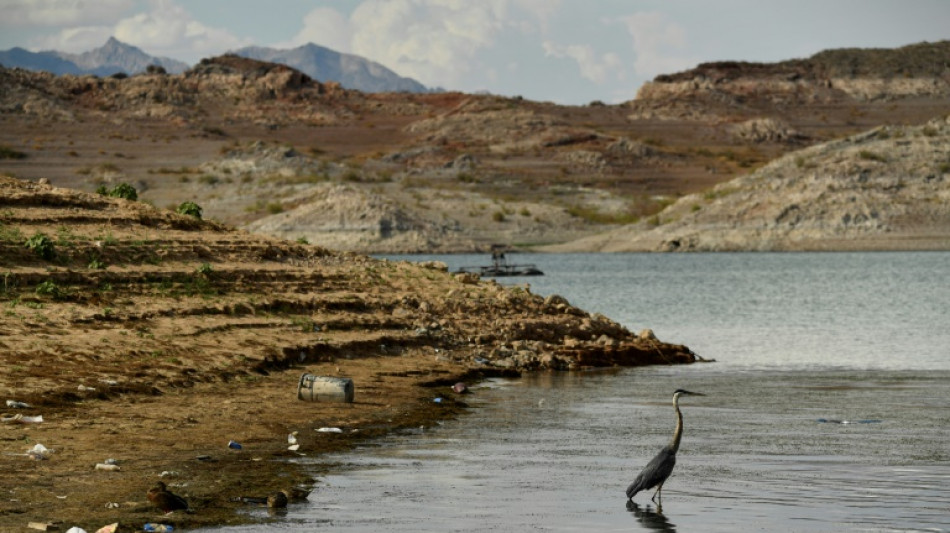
(277, 500)
(165, 500)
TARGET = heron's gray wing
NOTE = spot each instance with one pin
(655, 472)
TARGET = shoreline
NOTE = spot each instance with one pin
(154, 339)
(168, 448)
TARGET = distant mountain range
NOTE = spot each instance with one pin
(320, 63)
(110, 58)
(324, 64)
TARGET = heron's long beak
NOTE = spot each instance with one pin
(693, 393)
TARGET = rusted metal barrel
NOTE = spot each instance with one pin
(324, 389)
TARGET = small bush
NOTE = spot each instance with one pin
(42, 246)
(204, 269)
(51, 289)
(124, 190)
(121, 190)
(191, 209)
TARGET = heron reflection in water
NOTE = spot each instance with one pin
(656, 472)
(649, 519)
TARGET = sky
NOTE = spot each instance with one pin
(564, 51)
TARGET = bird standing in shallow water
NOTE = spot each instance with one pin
(655, 473)
(165, 500)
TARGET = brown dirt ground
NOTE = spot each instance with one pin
(154, 338)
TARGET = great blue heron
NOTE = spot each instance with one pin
(655, 473)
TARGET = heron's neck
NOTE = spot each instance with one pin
(678, 432)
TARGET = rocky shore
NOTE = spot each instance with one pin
(154, 339)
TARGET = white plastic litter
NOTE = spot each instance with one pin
(38, 452)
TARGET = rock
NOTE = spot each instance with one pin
(556, 301)
(435, 265)
(467, 278)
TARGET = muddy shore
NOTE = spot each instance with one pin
(155, 339)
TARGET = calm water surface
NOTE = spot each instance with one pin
(828, 409)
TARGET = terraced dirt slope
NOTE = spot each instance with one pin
(155, 338)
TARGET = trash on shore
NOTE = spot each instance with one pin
(862, 421)
(18, 405)
(108, 467)
(292, 441)
(39, 452)
(460, 388)
(329, 430)
(325, 389)
(234, 445)
(18, 418)
(45, 526)
(109, 528)
(157, 528)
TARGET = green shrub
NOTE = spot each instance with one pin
(191, 209)
(122, 190)
(51, 289)
(42, 246)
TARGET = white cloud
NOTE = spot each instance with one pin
(437, 42)
(74, 40)
(657, 44)
(324, 26)
(599, 70)
(165, 29)
(168, 29)
(62, 12)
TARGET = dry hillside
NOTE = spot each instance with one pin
(264, 147)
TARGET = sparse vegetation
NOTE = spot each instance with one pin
(42, 246)
(50, 289)
(204, 269)
(120, 190)
(190, 209)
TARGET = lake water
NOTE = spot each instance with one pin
(828, 409)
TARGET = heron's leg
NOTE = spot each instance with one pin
(657, 493)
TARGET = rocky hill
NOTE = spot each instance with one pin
(269, 148)
(884, 189)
